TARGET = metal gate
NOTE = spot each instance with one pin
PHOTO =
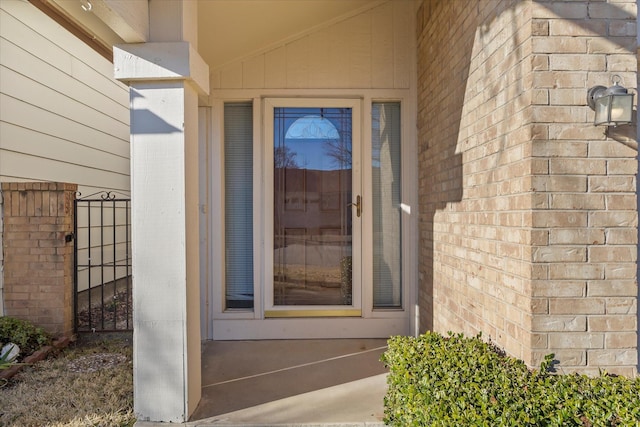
(102, 261)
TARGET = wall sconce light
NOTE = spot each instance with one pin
(613, 105)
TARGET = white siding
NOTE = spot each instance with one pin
(62, 115)
(367, 51)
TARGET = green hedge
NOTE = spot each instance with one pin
(458, 381)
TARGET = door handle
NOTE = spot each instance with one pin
(358, 205)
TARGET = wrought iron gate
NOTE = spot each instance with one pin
(102, 275)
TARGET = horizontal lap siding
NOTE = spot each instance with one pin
(64, 118)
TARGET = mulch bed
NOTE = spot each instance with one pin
(114, 314)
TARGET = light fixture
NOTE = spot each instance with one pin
(613, 105)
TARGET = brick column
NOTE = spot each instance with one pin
(38, 262)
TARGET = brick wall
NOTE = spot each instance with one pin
(474, 145)
(38, 262)
(584, 285)
(527, 211)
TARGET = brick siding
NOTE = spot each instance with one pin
(528, 214)
(586, 285)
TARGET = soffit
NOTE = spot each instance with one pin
(233, 29)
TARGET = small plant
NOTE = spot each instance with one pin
(23, 333)
(8, 354)
(112, 305)
(445, 381)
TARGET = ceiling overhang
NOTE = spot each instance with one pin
(228, 30)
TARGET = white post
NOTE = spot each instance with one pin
(165, 81)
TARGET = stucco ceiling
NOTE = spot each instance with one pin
(232, 29)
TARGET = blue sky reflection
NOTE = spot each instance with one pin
(312, 138)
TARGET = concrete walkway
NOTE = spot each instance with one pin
(292, 383)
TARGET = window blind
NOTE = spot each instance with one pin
(238, 185)
(387, 247)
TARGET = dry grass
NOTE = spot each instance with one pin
(87, 384)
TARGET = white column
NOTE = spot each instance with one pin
(165, 81)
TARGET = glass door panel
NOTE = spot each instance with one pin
(312, 201)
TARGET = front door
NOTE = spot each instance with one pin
(317, 209)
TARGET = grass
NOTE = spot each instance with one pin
(88, 384)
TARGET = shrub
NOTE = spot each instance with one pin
(445, 381)
(23, 333)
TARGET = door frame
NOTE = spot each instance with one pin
(251, 324)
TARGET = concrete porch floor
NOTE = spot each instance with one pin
(338, 382)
